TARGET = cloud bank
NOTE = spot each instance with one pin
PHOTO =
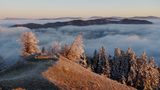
(139, 37)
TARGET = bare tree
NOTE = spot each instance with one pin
(29, 44)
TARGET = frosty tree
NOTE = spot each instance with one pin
(140, 72)
(117, 52)
(29, 44)
(100, 62)
(56, 48)
(76, 50)
(151, 62)
(105, 62)
(95, 61)
(144, 56)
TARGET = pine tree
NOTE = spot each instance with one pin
(101, 62)
(76, 50)
(127, 68)
(116, 68)
(94, 63)
(105, 62)
(117, 52)
(123, 66)
(29, 43)
(151, 62)
(143, 58)
(129, 51)
(151, 80)
(132, 67)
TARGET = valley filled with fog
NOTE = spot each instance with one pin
(139, 37)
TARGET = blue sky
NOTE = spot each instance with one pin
(83, 8)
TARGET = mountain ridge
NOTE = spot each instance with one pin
(69, 75)
(101, 21)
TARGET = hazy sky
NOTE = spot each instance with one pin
(85, 8)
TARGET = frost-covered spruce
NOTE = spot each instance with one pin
(105, 62)
(123, 66)
(76, 51)
(94, 61)
(101, 62)
(29, 44)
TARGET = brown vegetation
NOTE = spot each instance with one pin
(68, 75)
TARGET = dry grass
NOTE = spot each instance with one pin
(50, 75)
(68, 75)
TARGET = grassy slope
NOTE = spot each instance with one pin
(49, 75)
(68, 75)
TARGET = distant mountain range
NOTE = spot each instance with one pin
(147, 17)
(16, 19)
(82, 18)
(100, 21)
(58, 18)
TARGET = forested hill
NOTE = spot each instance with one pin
(101, 21)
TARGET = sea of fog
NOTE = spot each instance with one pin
(139, 37)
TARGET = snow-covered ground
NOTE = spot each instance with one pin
(139, 37)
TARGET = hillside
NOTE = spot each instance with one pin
(63, 74)
(68, 75)
(100, 21)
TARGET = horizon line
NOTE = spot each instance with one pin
(77, 17)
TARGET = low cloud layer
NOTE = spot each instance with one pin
(139, 37)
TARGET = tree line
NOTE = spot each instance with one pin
(125, 67)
